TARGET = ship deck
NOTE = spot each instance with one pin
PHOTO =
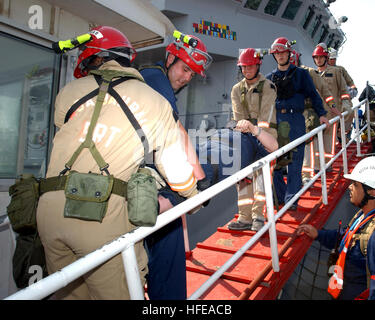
(252, 276)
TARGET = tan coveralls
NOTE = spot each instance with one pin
(66, 239)
(337, 86)
(348, 79)
(349, 83)
(251, 197)
(310, 161)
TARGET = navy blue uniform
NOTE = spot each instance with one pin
(227, 152)
(291, 110)
(355, 274)
(165, 248)
(158, 81)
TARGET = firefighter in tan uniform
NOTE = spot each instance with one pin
(253, 103)
(310, 162)
(352, 88)
(332, 55)
(66, 239)
(341, 96)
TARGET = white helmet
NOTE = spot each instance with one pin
(364, 172)
(332, 53)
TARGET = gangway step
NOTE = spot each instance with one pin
(211, 254)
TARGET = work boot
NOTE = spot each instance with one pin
(239, 225)
(257, 225)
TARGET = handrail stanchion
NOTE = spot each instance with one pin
(343, 145)
(358, 137)
(186, 234)
(367, 107)
(271, 216)
(322, 167)
(132, 273)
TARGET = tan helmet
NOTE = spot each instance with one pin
(332, 53)
(364, 172)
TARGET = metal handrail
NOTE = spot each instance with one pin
(125, 243)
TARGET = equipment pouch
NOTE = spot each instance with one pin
(24, 202)
(142, 197)
(283, 129)
(311, 119)
(87, 195)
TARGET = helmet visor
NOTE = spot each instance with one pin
(194, 52)
(278, 47)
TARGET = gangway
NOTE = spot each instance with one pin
(223, 267)
(252, 276)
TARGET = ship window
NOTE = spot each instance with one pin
(315, 26)
(323, 33)
(27, 86)
(291, 9)
(309, 15)
(272, 7)
(252, 4)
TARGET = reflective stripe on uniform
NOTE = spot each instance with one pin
(330, 98)
(263, 124)
(345, 96)
(244, 202)
(260, 197)
(184, 185)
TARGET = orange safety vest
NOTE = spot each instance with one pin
(336, 282)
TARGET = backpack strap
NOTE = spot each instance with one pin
(148, 156)
(96, 73)
(106, 79)
(258, 89)
(243, 93)
(89, 96)
(154, 66)
(88, 142)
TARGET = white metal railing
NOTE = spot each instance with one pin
(125, 243)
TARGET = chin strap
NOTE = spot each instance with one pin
(366, 197)
(286, 63)
(256, 74)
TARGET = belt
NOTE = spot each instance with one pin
(58, 183)
(290, 111)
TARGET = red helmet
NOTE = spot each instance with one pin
(104, 41)
(320, 50)
(294, 57)
(195, 57)
(249, 57)
(281, 45)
